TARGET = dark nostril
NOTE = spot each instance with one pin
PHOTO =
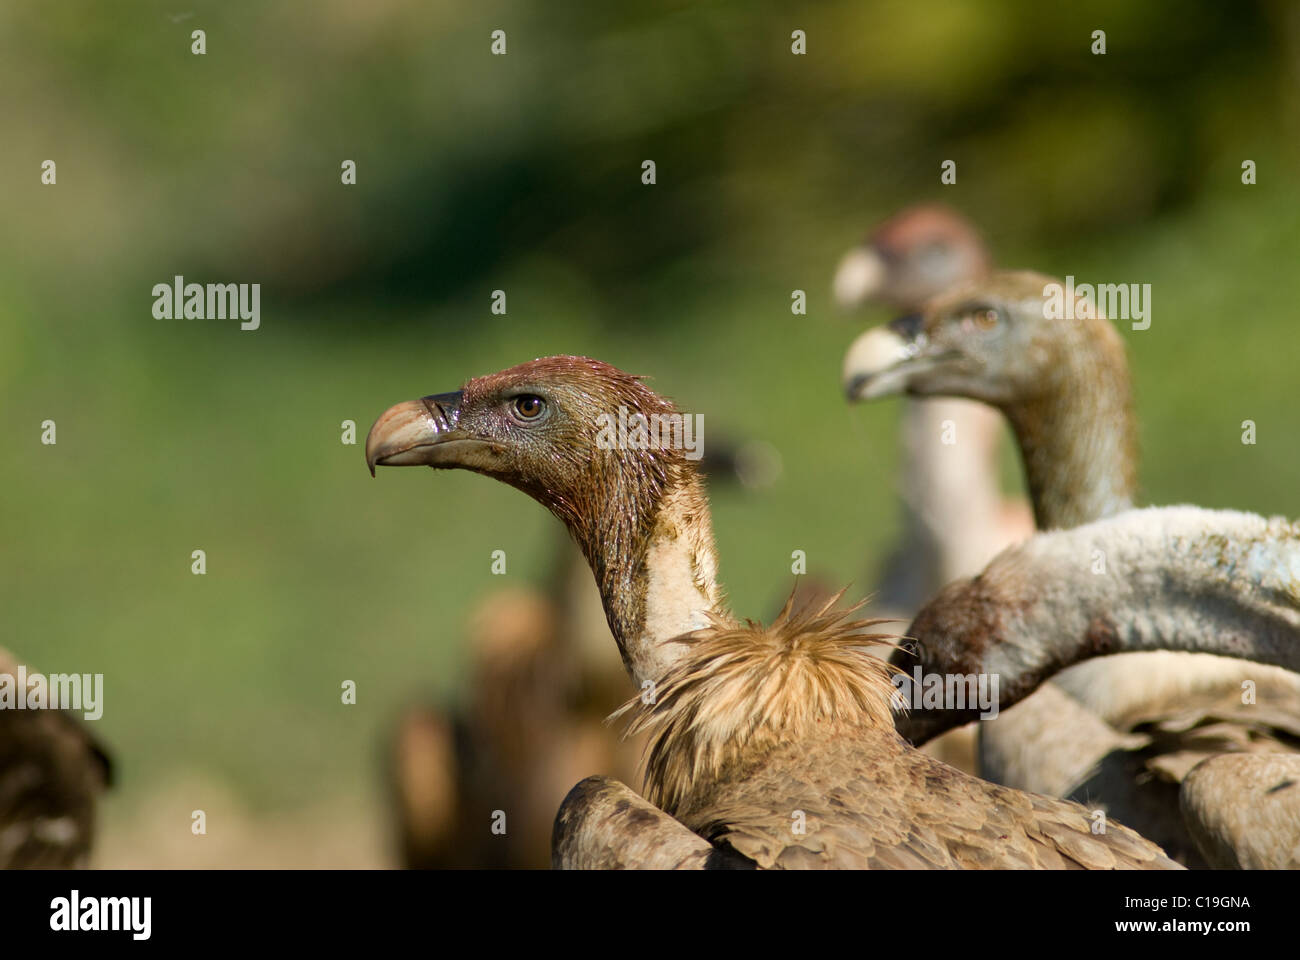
(435, 411)
(444, 408)
(908, 327)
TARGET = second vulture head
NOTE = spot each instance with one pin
(999, 340)
(978, 341)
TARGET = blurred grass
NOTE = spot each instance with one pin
(522, 174)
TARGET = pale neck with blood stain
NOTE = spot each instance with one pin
(665, 587)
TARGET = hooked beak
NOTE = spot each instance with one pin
(859, 277)
(881, 361)
(422, 432)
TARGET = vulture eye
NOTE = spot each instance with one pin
(982, 320)
(529, 406)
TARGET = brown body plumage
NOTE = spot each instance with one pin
(752, 726)
(778, 744)
(1244, 810)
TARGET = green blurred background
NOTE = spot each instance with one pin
(478, 172)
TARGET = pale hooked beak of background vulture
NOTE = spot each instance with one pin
(422, 432)
(881, 361)
(859, 277)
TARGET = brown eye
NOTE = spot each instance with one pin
(982, 320)
(529, 407)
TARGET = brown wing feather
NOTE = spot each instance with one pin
(870, 801)
(605, 825)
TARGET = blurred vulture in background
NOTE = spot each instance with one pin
(52, 772)
(955, 518)
(954, 515)
(1127, 730)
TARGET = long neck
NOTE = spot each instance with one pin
(1166, 578)
(950, 498)
(655, 563)
(1077, 434)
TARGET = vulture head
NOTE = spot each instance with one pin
(591, 444)
(909, 257)
(987, 340)
(1055, 367)
(537, 426)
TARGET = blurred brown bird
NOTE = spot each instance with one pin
(52, 772)
(533, 723)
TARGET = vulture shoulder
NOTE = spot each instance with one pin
(778, 743)
(867, 800)
(1243, 810)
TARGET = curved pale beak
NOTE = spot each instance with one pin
(875, 365)
(420, 432)
(859, 277)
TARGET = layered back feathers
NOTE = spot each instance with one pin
(742, 690)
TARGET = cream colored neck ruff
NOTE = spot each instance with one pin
(738, 691)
